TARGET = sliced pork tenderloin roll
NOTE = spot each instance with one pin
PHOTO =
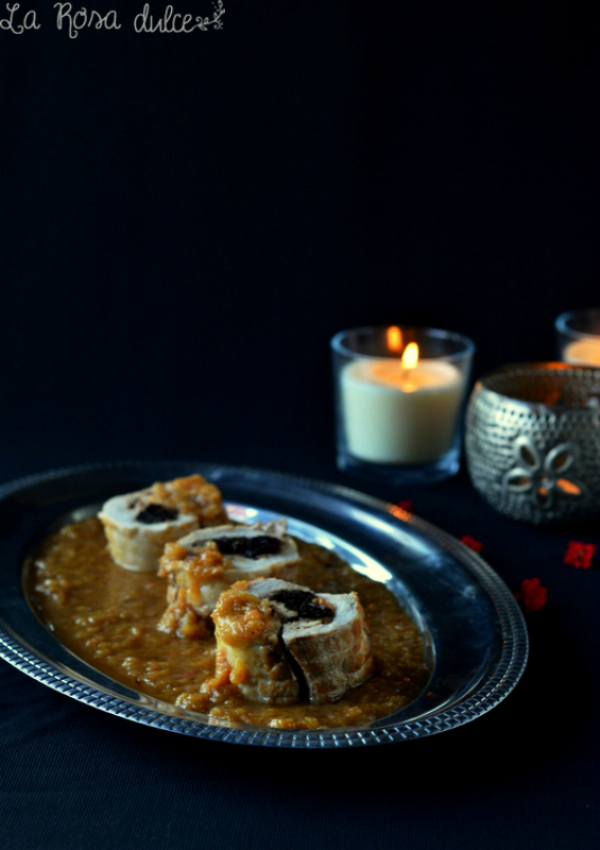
(138, 525)
(205, 563)
(321, 640)
(324, 634)
(333, 652)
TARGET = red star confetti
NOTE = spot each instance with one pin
(473, 544)
(579, 555)
(532, 594)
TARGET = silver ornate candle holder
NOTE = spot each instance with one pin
(533, 441)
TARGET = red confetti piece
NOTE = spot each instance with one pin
(473, 544)
(406, 505)
(579, 555)
(532, 595)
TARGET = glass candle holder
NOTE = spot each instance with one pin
(399, 399)
(578, 337)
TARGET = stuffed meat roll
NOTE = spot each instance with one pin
(205, 563)
(317, 641)
(138, 525)
(332, 651)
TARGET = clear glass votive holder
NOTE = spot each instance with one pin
(578, 337)
(399, 421)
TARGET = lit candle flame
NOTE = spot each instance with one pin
(410, 357)
(394, 339)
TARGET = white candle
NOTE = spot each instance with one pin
(583, 352)
(397, 415)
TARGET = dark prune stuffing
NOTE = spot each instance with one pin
(156, 513)
(248, 547)
(301, 601)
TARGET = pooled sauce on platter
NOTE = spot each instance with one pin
(108, 617)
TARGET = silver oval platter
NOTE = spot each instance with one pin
(475, 631)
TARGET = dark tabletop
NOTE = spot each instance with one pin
(526, 773)
(185, 221)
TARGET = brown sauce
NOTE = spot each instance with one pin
(107, 616)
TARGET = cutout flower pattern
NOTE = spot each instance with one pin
(543, 478)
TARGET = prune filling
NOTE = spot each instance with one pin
(156, 513)
(301, 601)
(248, 547)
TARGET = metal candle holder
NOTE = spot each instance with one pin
(533, 441)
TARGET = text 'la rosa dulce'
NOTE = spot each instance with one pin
(19, 21)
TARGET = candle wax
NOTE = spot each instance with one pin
(583, 352)
(397, 415)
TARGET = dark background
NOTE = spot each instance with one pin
(185, 221)
(188, 219)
